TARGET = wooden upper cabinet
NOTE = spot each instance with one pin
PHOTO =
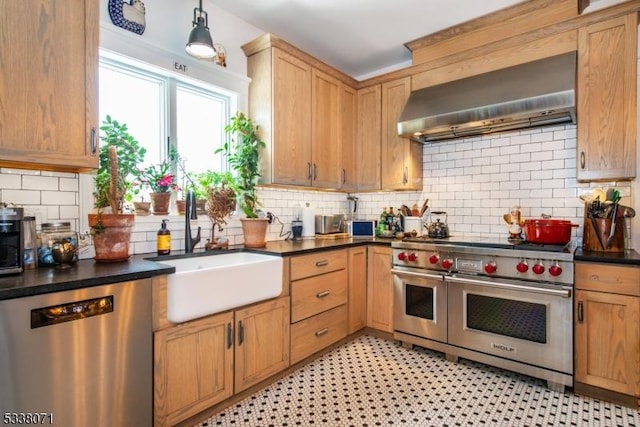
(607, 119)
(291, 138)
(401, 158)
(369, 105)
(348, 139)
(48, 84)
(326, 168)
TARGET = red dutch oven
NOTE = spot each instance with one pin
(548, 231)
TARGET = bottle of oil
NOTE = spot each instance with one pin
(163, 241)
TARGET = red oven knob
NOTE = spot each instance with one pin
(490, 268)
(555, 270)
(538, 268)
(412, 257)
(433, 259)
(402, 256)
(522, 267)
(447, 263)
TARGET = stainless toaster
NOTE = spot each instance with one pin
(327, 224)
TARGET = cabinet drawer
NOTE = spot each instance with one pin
(317, 263)
(317, 332)
(610, 278)
(317, 294)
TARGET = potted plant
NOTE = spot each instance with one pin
(221, 202)
(244, 158)
(161, 181)
(117, 170)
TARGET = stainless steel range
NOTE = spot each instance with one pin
(498, 303)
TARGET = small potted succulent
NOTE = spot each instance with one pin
(117, 169)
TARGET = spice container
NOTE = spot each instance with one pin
(57, 235)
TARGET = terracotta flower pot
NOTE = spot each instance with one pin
(160, 203)
(111, 236)
(255, 232)
(142, 208)
(181, 206)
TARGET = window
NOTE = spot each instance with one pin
(162, 109)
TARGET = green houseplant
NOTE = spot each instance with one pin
(119, 156)
(243, 155)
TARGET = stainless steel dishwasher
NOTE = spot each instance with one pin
(78, 358)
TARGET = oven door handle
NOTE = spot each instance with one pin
(420, 275)
(565, 293)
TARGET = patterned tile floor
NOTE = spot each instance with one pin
(375, 382)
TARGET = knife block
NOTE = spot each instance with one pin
(590, 235)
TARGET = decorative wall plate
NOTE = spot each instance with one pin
(128, 14)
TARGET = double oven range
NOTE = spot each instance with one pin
(498, 303)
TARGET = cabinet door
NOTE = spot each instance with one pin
(380, 289)
(357, 259)
(368, 137)
(607, 342)
(348, 118)
(326, 150)
(193, 368)
(291, 137)
(48, 84)
(395, 149)
(607, 55)
(262, 342)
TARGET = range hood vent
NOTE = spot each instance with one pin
(533, 94)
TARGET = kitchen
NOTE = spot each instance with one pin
(465, 178)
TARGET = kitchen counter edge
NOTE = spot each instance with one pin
(88, 273)
(628, 257)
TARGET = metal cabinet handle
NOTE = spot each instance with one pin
(93, 141)
(582, 160)
(322, 263)
(309, 170)
(323, 294)
(344, 176)
(229, 335)
(315, 171)
(405, 175)
(322, 332)
(580, 312)
(240, 333)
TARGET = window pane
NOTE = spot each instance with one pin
(200, 118)
(138, 101)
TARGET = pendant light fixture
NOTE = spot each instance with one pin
(200, 44)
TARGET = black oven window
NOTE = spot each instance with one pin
(516, 319)
(419, 302)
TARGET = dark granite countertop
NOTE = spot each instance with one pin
(83, 274)
(88, 273)
(628, 257)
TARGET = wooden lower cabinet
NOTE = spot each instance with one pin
(194, 361)
(357, 280)
(316, 333)
(379, 288)
(607, 328)
(262, 342)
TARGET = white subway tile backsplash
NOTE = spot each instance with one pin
(21, 197)
(30, 182)
(10, 181)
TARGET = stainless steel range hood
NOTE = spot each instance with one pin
(533, 94)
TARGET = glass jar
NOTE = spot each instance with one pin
(58, 244)
(29, 243)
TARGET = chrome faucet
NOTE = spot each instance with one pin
(189, 214)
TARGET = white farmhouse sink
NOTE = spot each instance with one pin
(211, 284)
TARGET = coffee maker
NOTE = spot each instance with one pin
(10, 240)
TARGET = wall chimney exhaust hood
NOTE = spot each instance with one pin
(536, 93)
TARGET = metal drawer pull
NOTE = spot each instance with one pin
(323, 294)
(322, 263)
(322, 332)
(580, 312)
